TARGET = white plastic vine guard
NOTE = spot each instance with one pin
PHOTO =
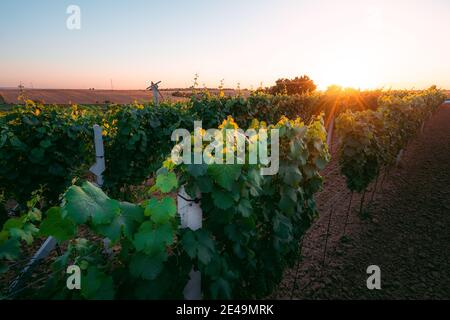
(190, 212)
(99, 167)
(191, 217)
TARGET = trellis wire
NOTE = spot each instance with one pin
(326, 236)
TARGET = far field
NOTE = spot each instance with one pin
(92, 97)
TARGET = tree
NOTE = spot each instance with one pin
(298, 85)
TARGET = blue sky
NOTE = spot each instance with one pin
(389, 43)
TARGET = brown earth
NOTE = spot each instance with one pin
(83, 96)
(69, 96)
(405, 230)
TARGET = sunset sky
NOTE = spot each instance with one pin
(365, 44)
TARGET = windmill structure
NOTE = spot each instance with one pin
(21, 96)
(156, 93)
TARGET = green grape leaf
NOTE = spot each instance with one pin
(36, 155)
(147, 266)
(96, 285)
(282, 227)
(18, 229)
(198, 244)
(88, 201)
(151, 239)
(309, 171)
(221, 289)
(287, 205)
(132, 211)
(4, 235)
(204, 184)
(225, 174)
(34, 215)
(292, 176)
(197, 170)
(13, 223)
(16, 143)
(255, 181)
(112, 230)
(161, 211)
(127, 222)
(45, 143)
(62, 261)
(245, 208)
(222, 199)
(10, 249)
(22, 234)
(56, 226)
(321, 163)
(167, 182)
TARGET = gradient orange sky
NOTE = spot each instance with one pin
(365, 44)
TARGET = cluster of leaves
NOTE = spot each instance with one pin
(370, 140)
(49, 145)
(252, 223)
(18, 230)
(142, 255)
(265, 107)
(251, 227)
(43, 146)
(137, 139)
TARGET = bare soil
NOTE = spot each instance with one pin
(405, 230)
(85, 96)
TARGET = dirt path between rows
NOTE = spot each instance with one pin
(406, 233)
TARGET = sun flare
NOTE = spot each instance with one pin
(351, 65)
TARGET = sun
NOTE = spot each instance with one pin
(353, 70)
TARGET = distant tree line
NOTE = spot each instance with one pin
(298, 85)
